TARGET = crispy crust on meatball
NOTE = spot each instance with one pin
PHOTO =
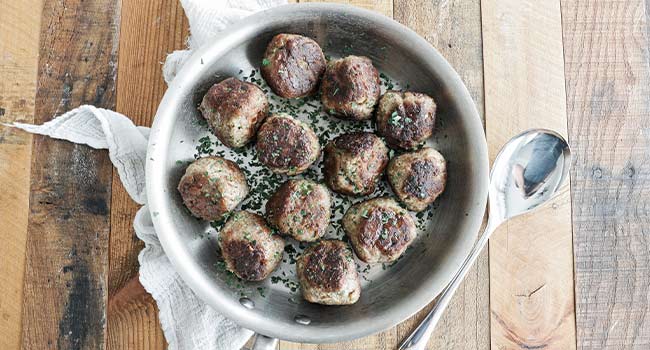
(212, 186)
(353, 163)
(234, 110)
(293, 65)
(287, 145)
(379, 229)
(249, 248)
(301, 209)
(418, 178)
(350, 88)
(405, 119)
(328, 274)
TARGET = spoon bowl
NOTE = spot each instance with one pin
(527, 173)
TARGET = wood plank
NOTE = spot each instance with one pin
(454, 28)
(149, 31)
(531, 261)
(608, 94)
(68, 227)
(19, 34)
(384, 7)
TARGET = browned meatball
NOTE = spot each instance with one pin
(350, 88)
(292, 65)
(379, 229)
(287, 145)
(234, 110)
(418, 178)
(301, 209)
(211, 187)
(353, 163)
(405, 119)
(328, 274)
(249, 247)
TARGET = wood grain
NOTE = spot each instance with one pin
(133, 319)
(531, 261)
(454, 28)
(149, 31)
(19, 45)
(608, 102)
(68, 226)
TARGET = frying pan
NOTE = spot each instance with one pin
(393, 294)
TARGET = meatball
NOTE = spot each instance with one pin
(301, 209)
(379, 229)
(418, 178)
(249, 247)
(234, 110)
(328, 274)
(350, 88)
(292, 65)
(212, 186)
(405, 119)
(354, 162)
(287, 145)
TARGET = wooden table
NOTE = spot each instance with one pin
(574, 275)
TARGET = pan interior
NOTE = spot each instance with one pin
(389, 295)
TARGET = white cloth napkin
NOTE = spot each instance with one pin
(188, 323)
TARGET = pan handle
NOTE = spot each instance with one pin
(263, 342)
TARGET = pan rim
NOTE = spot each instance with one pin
(191, 272)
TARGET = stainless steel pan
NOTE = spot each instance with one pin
(394, 294)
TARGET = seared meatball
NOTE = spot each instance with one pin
(328, 274)
(353, 163)
(234, 110)
(292, 65)
(249, 247)
(212, 186)
(350, 88)
(405, 119)
(287, 145)
(418, 178)
(379, 229)
(301, 209)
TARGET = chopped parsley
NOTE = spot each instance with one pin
(263, 183)
(394, 119)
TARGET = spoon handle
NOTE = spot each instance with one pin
(420, 336)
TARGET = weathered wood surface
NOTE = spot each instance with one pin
(607, 70)
(149, 31)
(531, 258)
(19, 46)
(67, 237)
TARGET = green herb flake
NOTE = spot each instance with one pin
(394, 119)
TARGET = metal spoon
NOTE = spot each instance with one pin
(527, 172)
